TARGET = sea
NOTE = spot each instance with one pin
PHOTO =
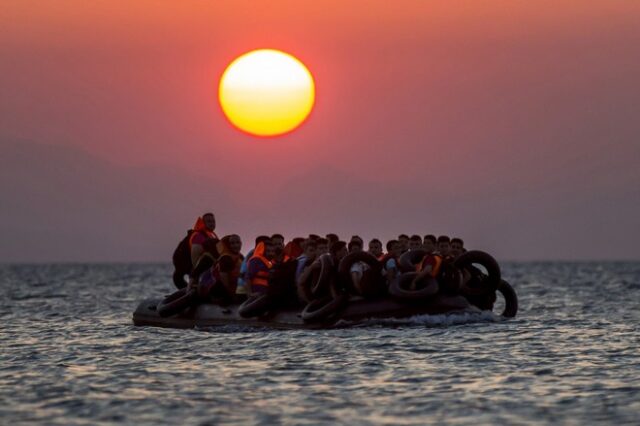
(70, 355)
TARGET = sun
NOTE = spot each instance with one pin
(266, 92)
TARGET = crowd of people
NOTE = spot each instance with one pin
(217, 269)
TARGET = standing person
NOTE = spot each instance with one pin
(190, 248)
(403, 239)
(457, 247)
(375, 248)
(430, 243)
(415, 242)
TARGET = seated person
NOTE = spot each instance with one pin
(227, 269)
(390, 267)
(278, 243)
(306, 258)
(242, 287)
(259, 266)
(429, 266)
(403, 239)
(202, 230)
(337, 252)
(415, 242)
(323, 246)
(457, 247)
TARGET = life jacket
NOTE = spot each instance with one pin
(200, 229)
(182, 254)
(224, 251)
(435, 270)
(262, 277)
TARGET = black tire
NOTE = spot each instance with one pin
(178, 279)
(255, 306)
(176, 302)
(362, 256)
(372, 283)
(398, 287)
(510, 299)
(321, 309)
(479, 283)
(322, 280)
(409, 260)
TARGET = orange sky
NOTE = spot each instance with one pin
(426, 112)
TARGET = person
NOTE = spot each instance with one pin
(403, 239)
(306, 258)
(389, 261)
(331, 238)
(358, 240)
(204, 278)
(375, 248)
(204, 228)
(415, 242)
(242, 288)
(444, 246)
(429, 266)
(429, 243)
(227, 269)
(183, 258)
(354, 246)
(278, 243)
(259, 266)
(323, 246)
(294, 249)
(457, 247)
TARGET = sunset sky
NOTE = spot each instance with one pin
(512, 124)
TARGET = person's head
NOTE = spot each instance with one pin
(261, 239)
(444, 245)
(310, 249)
(403, 239)
(332, 238)
(269, 250)
(209, 221)
(375, 247)
(314, 237)
(415, 242)
(338, 250)
(357, 238)
(277, 239)
(429, 243)
(323, 246)
(354, 246)
(394, 248)
(457, 246)
(234, 243)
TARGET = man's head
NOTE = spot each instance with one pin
(314, 237)
(354, 246)
(375, 247)
(310, 249)
(209, 221)
(235, 243)
(338, 250)
(332, 238)
(394, 248)
(269, 250)
(261, 239)
(429, 243)
(457, 247)
(278, 240)
(403, 239)
(444, 245)
(323, 246)
(415, 242)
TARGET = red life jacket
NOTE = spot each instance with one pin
(262, 277)
(200, 229)
(435, 270)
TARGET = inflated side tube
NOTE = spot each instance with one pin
(510, 299)
(399, 288)
(255, 306)
(479, 282)
(176, 302)
(322, 280)
(321, 309)
(410, 259)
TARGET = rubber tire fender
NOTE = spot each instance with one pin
(398, 289)
(322, 279)
(344, 268)
(255, 306)
(409, 260)
(176, 302)
(510, 299)
(490, 282)
(321, 309)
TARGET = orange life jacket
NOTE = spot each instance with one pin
(262, 277)
(436, 267)
(200, 228)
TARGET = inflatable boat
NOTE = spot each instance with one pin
(183, 309)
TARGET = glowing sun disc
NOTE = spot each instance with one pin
(266, 92)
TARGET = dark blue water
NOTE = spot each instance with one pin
(70, 355)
